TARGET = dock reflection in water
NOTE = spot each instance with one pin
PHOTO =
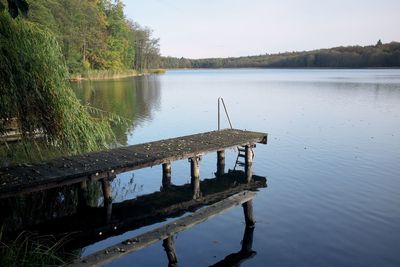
(87, 225)
(234, 259)
(246, 252)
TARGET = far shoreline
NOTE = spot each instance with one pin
(292, 68)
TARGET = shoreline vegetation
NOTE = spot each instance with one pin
(36, 98)
(351, 57)
(112, 74)
(45, 45)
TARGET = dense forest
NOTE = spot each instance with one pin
(95, 34)
(376, 56)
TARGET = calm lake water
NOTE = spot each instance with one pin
(332, 161)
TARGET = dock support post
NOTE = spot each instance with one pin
(195, 175)
(248, 213)
(220, 163)
(166, 178)
(83, 195)
(248, 167)
(107, 194)
(169, 247)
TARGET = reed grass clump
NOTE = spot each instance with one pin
(108, 74)
(34, 91)
(157, 71)
(28, 249)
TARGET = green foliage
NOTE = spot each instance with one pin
(86, 65)
(381, 55)
(95, 32)
(40, 12)
(34, 90)
(120, 52)
(81, 32)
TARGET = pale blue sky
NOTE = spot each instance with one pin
(222, 28)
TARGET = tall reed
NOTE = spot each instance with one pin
(34, 90)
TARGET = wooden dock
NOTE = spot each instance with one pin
(105, 165)
(221, 193)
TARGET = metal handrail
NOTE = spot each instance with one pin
(220, 99)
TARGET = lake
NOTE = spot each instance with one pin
(332, 161)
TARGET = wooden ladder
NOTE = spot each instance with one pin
(240, 159)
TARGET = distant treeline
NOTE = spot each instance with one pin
(377, 56)
(95, 34)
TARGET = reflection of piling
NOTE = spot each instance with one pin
(248, 213)
(195, 176)
(107, 195)
(248, 167)
(246, 251)
(107, 190)
(83, 195)
(166, 178)
(169, 247)
(247, 242)
(233, 259)
(220, 163)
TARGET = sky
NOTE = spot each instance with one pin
(230, 28)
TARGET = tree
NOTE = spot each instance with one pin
(93, 34)
(120, 42)
(146, 47)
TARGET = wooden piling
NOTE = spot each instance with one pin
(166, 178)
(195, 176)
(248, 213)
(220, 163)
(169, 247)
(248, 167)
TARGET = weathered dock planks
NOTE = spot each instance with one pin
(99, 165)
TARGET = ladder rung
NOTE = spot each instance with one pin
(241, 156)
